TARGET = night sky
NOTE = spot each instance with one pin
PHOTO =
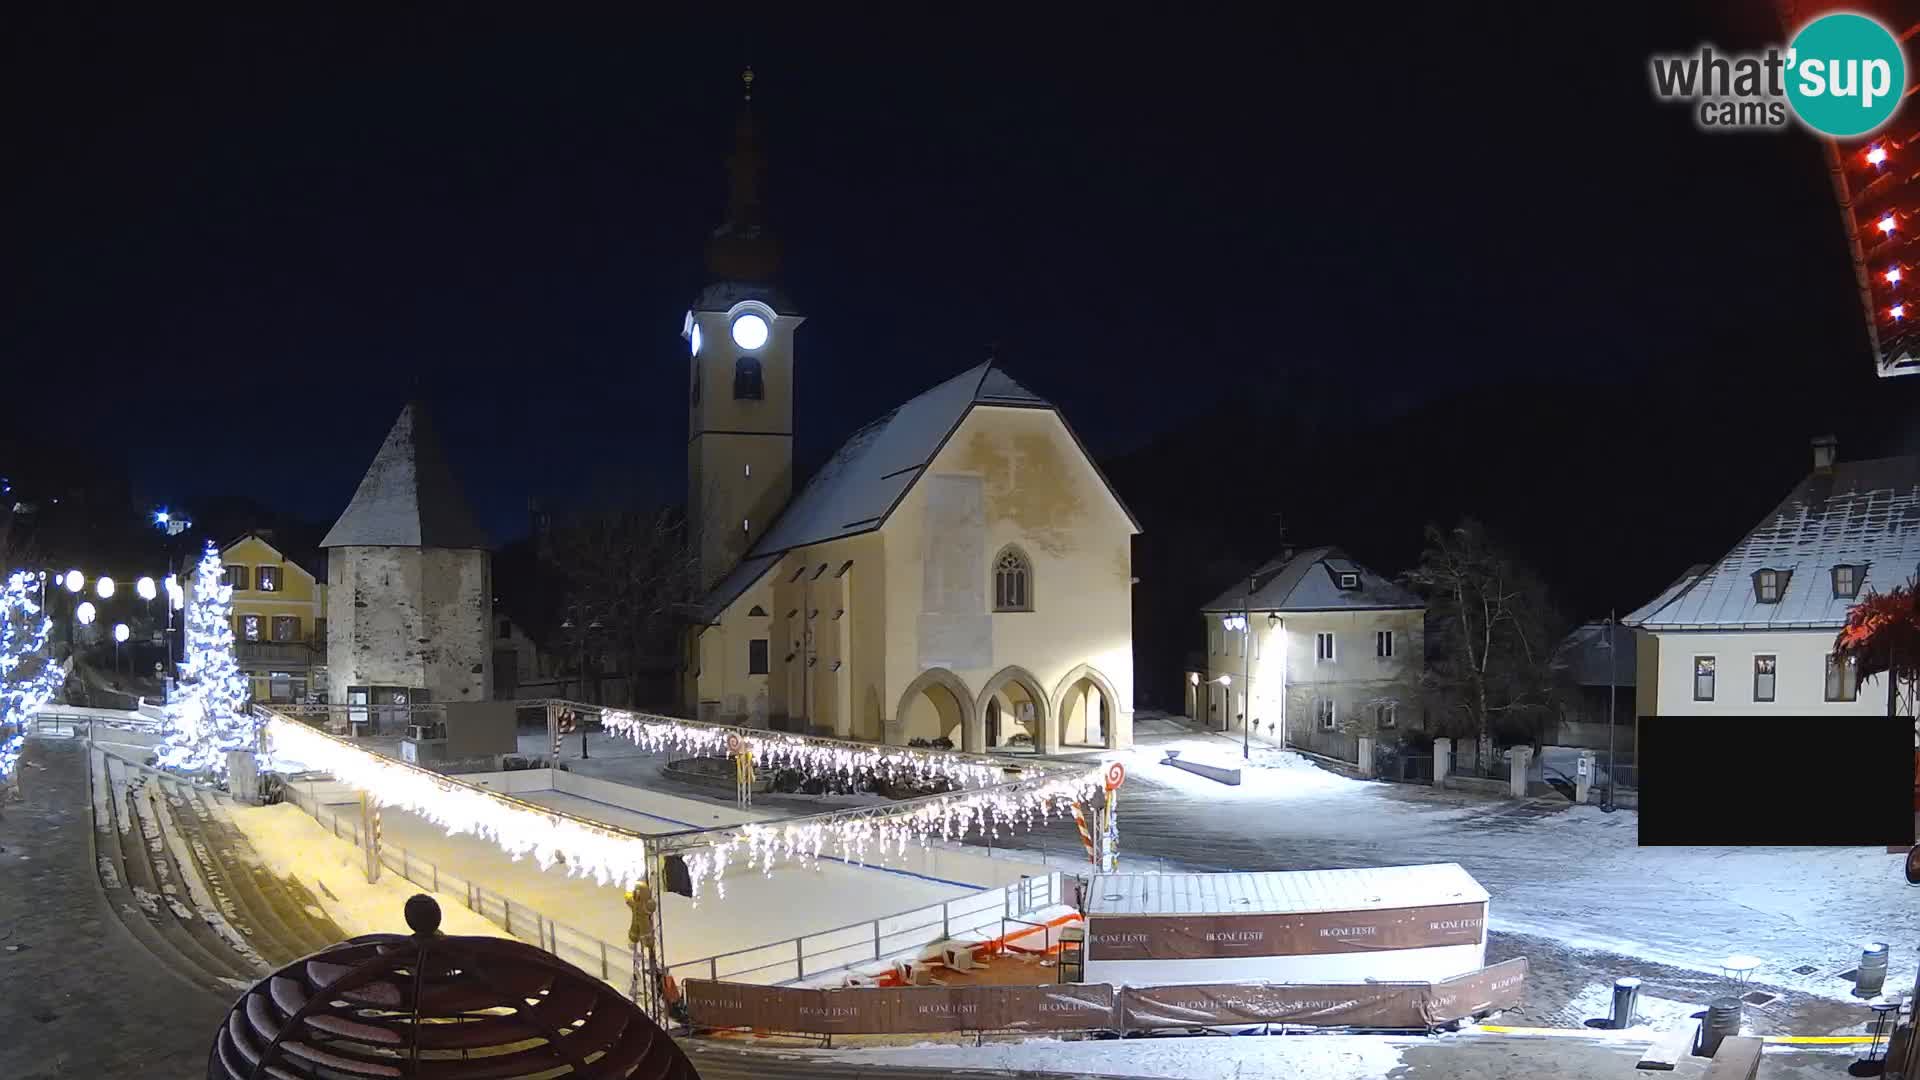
(233, 245)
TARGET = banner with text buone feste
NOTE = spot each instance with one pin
(1209, 936)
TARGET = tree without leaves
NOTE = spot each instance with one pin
(1491, 635)
(626, 569)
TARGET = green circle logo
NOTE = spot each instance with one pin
(1846, 74)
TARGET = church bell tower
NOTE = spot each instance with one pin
(740, 374)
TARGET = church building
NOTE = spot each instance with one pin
(959, 569)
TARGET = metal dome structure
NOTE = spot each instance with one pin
(429, 1005)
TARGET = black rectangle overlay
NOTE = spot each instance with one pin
(1761, 781)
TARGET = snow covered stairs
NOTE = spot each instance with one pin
(142, 887)
(177, 875)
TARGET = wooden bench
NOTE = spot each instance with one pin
(1737, 1059)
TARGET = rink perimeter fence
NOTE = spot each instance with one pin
(990, 913)
(1124, 1010)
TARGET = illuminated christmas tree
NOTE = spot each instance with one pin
(28, 675)
(212, 715)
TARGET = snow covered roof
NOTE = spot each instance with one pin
(1584, 655)
(1372, 888)
(1680, 584)
(409, 497)
(1310, 581)
(1858, 513)
(857, 489)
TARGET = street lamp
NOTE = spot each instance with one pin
(74, 580)
(146, 589)
(104, 587)
(120, 635)
(1612, 706)
(84, 612)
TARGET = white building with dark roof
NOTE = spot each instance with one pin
(1314, 644)
(958, 570)
(1753, 632)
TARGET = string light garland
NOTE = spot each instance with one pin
(28, 675)
(885, 831)
(850, 762)
(609, 856)
(211, 717)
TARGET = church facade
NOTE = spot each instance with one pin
(958, 570)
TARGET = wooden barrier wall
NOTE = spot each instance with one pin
(1100, 1007)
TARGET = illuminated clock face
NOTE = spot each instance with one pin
(749, 331)
(695, 336)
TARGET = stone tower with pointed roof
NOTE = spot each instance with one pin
(740, 375)
(409, 598)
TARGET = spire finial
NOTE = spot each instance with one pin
(746, 82)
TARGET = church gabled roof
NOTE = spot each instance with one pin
(409, 497)
(856, 490)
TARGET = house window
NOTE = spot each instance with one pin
(1843, 679)
(1325, 714)
(1386, 714)
(1383, 644)
(267, 579)
(250, 627)
(1768, 585)
(1349, 581)
(286, 628)
(1703, 678)
(1213, 638)
(746, 379)
(1012, 582)
(1323, 647)
(236, 576)
(1846, 581)
(1763, 677)
(757, 656)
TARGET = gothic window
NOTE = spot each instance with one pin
(1012, 581)
(746, 379)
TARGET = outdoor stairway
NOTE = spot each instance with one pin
(178, 877)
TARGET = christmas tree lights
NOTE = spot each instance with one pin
(212, 716)
(28, 675)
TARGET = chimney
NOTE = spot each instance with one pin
(1825, 449)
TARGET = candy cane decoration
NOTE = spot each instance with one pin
(1086, 834)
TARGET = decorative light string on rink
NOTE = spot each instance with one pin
(520, 829)
(849, 761)
(885, 830)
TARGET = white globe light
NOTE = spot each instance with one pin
(84, 612)
(696, 339)
(74, 581)
(145, 588)
(120, 631)
(749, 331)
(104, 587)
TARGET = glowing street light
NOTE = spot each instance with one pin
(104, 587)
(74, 580)
(84, 612)
(175, 593)
(145, 588)
(120, 632)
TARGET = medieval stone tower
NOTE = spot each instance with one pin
(410, 594)
(740, 392)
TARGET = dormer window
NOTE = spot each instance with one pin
(1349, 580)
(1769, 585)
(1846, 581)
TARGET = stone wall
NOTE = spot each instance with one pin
(404, 616)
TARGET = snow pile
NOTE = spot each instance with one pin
(291, 844)
(1272, 774)
(1356, 1057)
(1651, 1016)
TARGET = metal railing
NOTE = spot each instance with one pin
(809, 955)
(613, 963)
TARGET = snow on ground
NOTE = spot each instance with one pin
(1270, 775)
(1652, 1015)
(1351, 1057)
(291, 844)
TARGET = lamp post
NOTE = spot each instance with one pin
(1612, 690)
(580, 639)
(1246, 672)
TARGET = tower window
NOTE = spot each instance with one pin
(1323, 647)
(747, 385)
(1012, 581)
(757, 656)
(1383, 644)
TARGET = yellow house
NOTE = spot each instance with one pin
(958, 570)
(279, 620)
